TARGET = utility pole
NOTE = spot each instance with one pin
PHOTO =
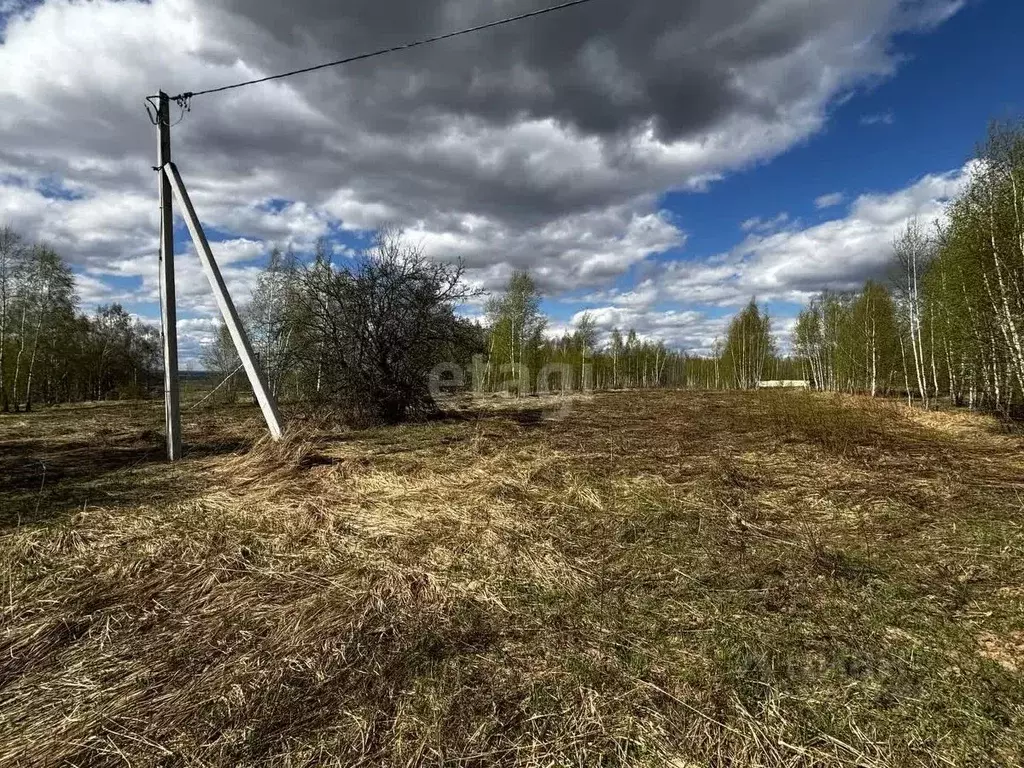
(172, 185)
(227, 307)
(168, 312)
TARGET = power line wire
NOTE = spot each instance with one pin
(183, 98)
(154, 113)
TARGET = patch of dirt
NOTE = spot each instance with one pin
(1007, 651)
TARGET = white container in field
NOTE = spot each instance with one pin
(784, 384)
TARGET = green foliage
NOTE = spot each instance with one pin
(976, 282)
(516, 334)
(49, 352)
(952, 326)
(850, 341)
(748, 346)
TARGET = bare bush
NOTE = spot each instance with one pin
(374, 330)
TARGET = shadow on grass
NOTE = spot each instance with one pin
(41, 481)
(527, 417)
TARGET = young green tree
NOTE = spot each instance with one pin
(12, 268)
(272, 317)
(913, 250)
(615, 347)
(585, 338)
(51, 298)
(516, 326)
(872, 339)
(221, 358)
(748, 346)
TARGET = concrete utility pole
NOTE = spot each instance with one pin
(168, 311)
(170, 180)
(227, 308)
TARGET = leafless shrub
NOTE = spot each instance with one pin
(374, 330)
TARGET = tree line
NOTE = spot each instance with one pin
(950, 322)
(947, 322)
(518, 346)
(370, 335)
(50, 352)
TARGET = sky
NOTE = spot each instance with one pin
(657, 164)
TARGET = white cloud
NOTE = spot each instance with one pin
(93, 292)
(757, 224)
(689, 330)
(581, 250)
(545, 147)
(829, 201)
(794, 264)
(194, 334)
(348, 145)
(787, 266)
(881, 118)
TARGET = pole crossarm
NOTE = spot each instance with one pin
(227, 308)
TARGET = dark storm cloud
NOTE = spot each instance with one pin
(543, 144)
(604, 68)
(604, 72)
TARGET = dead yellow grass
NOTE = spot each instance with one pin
(765, 579)
(978, 427)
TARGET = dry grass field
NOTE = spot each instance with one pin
(660, 579)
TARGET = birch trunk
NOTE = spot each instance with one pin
(17, 360)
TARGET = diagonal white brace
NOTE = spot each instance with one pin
(227, 307)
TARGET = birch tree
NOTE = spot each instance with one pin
(516, 327)
(12, 253)
(748, 346)
(913, 250)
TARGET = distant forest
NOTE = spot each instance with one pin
(947, 323)
(950, 322)
(52, 353)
